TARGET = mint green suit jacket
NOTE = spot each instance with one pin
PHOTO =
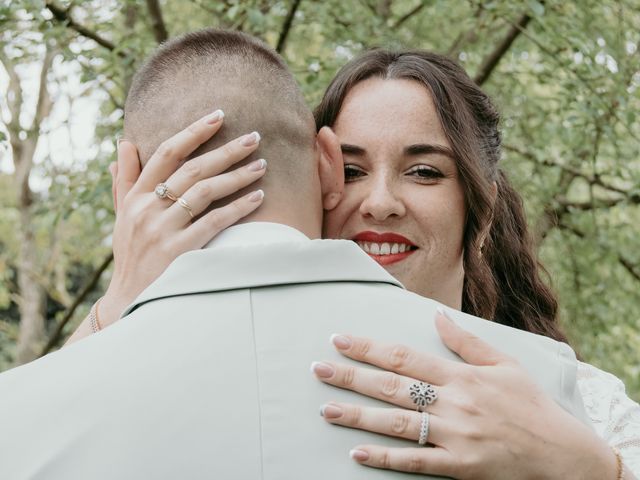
(207, 377)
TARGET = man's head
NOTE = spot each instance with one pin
(200, 72)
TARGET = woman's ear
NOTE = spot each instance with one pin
(330, 168)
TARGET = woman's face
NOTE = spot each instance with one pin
(403, 201)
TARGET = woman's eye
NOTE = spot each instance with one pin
(425, 172)
(351, 172)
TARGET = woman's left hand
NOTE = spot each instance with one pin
(490, 420)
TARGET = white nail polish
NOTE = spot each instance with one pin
(256, 196)
(215, 117)
(250, 139)
(258, 165)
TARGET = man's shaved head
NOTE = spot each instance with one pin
(199, 72)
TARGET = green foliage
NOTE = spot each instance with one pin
(568, 88)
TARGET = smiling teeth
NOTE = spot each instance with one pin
(383, 248)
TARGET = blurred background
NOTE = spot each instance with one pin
(565, 74)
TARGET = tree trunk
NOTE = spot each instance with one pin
(31, 336)
(31, 292)
(32, 327)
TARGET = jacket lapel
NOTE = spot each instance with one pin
(237, 267)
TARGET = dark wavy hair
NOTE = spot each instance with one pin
(502, 274)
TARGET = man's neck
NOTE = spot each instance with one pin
(256, 234)
(304, 220)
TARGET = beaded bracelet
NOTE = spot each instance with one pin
(619, 463)
(93, 317)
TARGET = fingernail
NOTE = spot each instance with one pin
(256, 196)
(250, 139)
(359, 455)
(118, 140)
(340, 341)
(443, 313)
(331, 411)
(257, 165)
(322, 369)
(215, 117)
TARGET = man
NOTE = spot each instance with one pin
(207, 376)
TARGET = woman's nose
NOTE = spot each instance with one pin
(382, 201)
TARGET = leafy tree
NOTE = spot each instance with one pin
(566, 75)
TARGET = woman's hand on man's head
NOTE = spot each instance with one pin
(163, 210)
(485, 419)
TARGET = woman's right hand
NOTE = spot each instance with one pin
(150, 232)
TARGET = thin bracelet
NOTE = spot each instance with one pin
(93, 317)
(619, 464)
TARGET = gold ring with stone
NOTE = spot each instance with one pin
(162, 191)
(183, 203)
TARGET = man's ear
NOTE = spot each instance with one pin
(330, 168)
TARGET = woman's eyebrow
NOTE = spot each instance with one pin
(428, 149)
(348, 149)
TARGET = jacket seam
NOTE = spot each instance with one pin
(259, 399)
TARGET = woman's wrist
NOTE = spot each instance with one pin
(111, 307)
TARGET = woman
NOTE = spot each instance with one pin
(431, 176)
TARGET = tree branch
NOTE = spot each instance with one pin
(43, 107)
(593, 204)
(625, 262)
(63, 16)
(86, 290)
(286, 26)
(629, 267)
(590, 179)
(491, 61)
(14, 99)
(410, 13)
(157, 22)
(465, 37)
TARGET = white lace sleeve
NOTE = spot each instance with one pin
(615, 417)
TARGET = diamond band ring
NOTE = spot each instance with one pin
(424, 429)
(162, 191)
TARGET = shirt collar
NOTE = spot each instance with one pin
(256, 233)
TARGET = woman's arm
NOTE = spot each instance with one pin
(489, 421)
(152, 229)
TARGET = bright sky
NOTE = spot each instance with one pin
(68, 134)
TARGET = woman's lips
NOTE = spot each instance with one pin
(385, 248)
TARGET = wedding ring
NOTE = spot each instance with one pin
(422, 394)
(183, 203)
(162, 191)
(424, 429)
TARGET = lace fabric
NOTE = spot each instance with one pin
(615, 417)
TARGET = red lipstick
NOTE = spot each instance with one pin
(365, 239)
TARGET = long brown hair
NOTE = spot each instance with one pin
(502, 274)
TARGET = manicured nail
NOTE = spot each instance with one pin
(340, 341)
(359, 455)
(250, 139)
(322, 369)
(256, 196)
(331, 411)
(215, 117)
(257, 165)
(443, 313)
